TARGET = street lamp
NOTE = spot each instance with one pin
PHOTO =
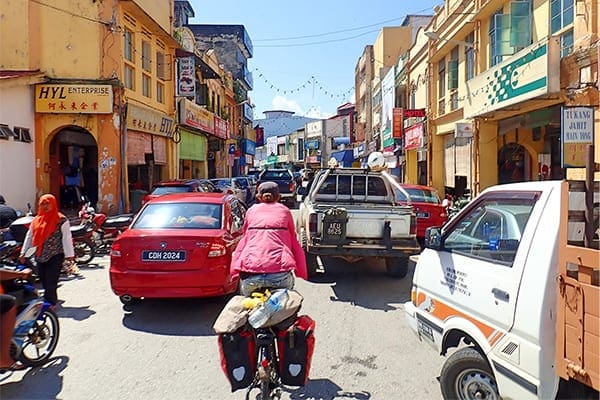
(435, 36)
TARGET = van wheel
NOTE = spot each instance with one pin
(467, 375)
(396, 267)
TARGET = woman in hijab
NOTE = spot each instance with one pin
(50, 234)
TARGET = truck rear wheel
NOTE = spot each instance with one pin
(397, 267)
(312, 264)
(467, 375)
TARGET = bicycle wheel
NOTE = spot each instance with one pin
(41, 340)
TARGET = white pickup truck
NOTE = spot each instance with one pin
(494, 284)
(351, 213)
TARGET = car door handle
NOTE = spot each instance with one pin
(500, 294)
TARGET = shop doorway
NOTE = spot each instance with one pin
(73, 156)
(514, 164)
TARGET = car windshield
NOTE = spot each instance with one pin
(159, 190)
(419, 195)
(179, 216)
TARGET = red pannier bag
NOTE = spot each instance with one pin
(295, 346)
(238, 357)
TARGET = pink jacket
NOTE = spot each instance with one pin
(269, 243)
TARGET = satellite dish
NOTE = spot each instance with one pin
(376, 161)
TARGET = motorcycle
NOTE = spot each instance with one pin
(105, 229)
(36, 331)
(83, 243)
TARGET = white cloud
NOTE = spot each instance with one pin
(283, 103)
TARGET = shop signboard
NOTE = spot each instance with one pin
(387, 108)
(74, 99)
(577, 132)
(413, 137)
(186, 82)
(532, 72)
(193, 115)
(463, 130)
(222, 129)
(146, 120)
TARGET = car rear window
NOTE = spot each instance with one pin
(275, 175)
(419, 195)
(160, 190)
(179, 216)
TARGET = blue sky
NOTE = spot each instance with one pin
(305, 52)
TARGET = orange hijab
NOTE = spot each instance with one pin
(44, 224)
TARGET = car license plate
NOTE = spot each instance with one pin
(425, 330)
(422, 214)
(163, 255)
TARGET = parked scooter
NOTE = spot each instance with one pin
(36, 331)
(105, 229)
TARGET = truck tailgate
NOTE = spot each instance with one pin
(368, 223)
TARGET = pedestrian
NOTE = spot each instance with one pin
(50, 234)
(268, 255)
(7, 213)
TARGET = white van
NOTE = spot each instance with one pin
(486, 284)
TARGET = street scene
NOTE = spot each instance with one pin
(167, 349)
(340, 200)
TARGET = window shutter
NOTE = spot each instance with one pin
(452, 74)
(520, 23)
(502, 35)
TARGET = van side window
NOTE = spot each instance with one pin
(491, 231)
(376, 187)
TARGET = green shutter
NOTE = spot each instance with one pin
(452, 74)
(520, 23)
(502, 35)
(192, 147)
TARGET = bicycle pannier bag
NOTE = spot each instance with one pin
(296, 345)
(238, 358)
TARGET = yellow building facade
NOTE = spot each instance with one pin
(503, 78)
(105, 113)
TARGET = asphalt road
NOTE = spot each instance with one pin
(166, 349)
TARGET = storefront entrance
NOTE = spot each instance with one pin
(514, 164)
(73, 167)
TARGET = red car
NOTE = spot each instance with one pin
(427, 205)
(178, 246)
(180, 186)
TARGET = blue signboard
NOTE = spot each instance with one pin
(249, 147)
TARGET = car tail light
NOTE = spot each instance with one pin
(312, 223)
(217, 249)
(413, 295)
(115, 250)
(292, 186)
(413, 224)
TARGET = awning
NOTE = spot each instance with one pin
(341, 140)
(343, 156)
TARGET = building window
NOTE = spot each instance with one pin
(146, 82)
(453, 69)
(146, 56)
(521, 21)
(128, 45)
(494, 33)
(5, 132)
(160, 92)
(470, 57)
(129, 77)
(441, 86)
(22, 134)
(561, 17)
(160, 65)
(453, 101)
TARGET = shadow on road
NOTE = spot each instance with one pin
(325, 389)
(364, 283)
(174, 317)
(44, 382)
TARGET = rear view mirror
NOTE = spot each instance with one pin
(433, 238)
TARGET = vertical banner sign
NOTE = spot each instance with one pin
(387, 109)
(186, 82)
(397, 123)
(577, 132)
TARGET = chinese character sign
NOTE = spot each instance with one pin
(76, 99)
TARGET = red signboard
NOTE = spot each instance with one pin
(397, 123)
(417, 113)
(222, 128)
(413, 137)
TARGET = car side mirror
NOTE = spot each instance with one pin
(302, 191)
(433, 238)
(237, 223)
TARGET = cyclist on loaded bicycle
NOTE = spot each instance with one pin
(268, 255)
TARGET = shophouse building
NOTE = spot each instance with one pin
(363, 79)
(505, 76)
(104, 116)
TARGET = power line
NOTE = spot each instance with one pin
(339, 31)
(321, 42)
(69, 12)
